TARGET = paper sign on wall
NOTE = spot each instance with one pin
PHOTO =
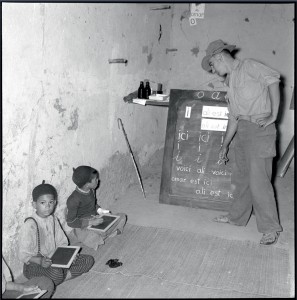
(197, 10)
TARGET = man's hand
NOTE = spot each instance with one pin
(264, 122)
(223, 154)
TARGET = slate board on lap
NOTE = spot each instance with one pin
(192, 174)
(64, 256)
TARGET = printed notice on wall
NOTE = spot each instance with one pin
(197, 10)
(214, 124)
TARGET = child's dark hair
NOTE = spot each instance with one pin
(44, 189)
(83, 174)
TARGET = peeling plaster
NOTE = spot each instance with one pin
(184, 15)
(59, 107)
(149, 58)
(144, 49)
(195, 51)
(74, 120)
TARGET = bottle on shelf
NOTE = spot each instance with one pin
(141, 91)
(147, 90)
(159, 89)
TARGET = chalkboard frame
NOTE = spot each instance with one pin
(177, 96)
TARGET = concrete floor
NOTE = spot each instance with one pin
(149, 212)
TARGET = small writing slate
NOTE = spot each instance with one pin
(64, 256)
(108, 221)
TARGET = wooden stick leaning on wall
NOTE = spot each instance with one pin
(133, 159)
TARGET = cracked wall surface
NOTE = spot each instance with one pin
(62, 100)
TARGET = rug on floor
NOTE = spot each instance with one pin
(167, 263)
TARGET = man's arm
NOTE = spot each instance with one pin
(274, 94)
(231, 130)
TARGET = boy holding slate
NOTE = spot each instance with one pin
(253, 98)
(40, 236)
(84, 211)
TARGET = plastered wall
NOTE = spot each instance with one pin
(62, 99)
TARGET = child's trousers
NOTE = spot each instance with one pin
(254, 148)
(82, 265)
(92, 239)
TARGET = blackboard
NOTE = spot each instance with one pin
(192, 174)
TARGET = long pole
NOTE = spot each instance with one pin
(129, 147)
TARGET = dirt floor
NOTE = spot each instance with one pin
(149, 212)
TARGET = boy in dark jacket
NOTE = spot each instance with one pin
(83, 210)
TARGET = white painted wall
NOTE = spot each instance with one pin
(62, 99)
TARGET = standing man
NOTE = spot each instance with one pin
(253, 102)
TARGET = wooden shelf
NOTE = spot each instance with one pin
(151, 102)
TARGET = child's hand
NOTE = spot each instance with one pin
(45, 262)
(30, 288)
(96, 220)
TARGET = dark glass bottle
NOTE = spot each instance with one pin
(159, 89)
(147, 90)
(141, 92)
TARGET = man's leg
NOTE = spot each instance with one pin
(263, 195)
(241, 208)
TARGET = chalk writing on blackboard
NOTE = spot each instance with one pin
(193, 175)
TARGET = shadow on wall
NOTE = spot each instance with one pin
(115, 178)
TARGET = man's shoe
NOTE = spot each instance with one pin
(221, 219)
(269, 239)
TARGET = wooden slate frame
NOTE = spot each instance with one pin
(108, 221)
(177, 96)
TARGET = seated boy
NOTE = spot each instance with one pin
(83, 210)
(11, 289)
(41, 234)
